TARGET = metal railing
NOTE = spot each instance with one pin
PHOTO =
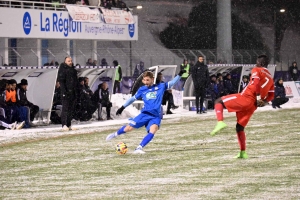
(125, 56)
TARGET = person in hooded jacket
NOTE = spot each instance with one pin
(200, 76)
(294, 71)
(280, 95)
(101, 99)
(67, 77)
(23, 101)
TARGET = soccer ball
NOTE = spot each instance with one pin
(121, 148)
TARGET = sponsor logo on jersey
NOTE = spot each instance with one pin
(151, 95)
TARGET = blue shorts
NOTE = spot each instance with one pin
(146, 120)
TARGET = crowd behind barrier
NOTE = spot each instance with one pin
(17, 112)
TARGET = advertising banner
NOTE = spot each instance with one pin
(117, 16)
(83, 14)
(43, 24)
(290, 89)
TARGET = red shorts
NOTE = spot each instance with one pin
(243, 106)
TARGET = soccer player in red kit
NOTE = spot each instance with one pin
(259, 91)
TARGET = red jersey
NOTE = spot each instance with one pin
(261, 82)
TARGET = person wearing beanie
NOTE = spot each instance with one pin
(118, 77)
(23, 101)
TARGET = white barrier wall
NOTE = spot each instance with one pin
(42, 80)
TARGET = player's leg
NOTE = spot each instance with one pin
(136, 122)
(241, 136)
(219, 106)
(152, 127)
(202, 96)
(122, 130)
(197, 101)
(243, 118)
(150, 135)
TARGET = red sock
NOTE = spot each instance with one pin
(219, 111)
(242, 140)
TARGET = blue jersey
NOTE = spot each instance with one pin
(152, 97)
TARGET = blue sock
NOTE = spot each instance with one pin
(121, 130)
(147, 139)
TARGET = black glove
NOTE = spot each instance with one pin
(181, 72)
(120, 110)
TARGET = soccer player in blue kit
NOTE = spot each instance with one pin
(150, 115)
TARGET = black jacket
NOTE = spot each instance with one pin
(22, 97)
(57, 97)
(67, 77)
(2, 98)
(200, 75)
(228, 86)
(101, 96)
(294, 72)
(279, 90)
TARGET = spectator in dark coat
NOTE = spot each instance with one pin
(200, 76)
(221, 84)
(244, 83)
(103, 62)
(23, 101)
(214, 88)
(67, 77)
(228, 86)
(280, 96)
(87, 87)
(101, 98)
(294, 71)
(168, 96)
(57, 95)
(86, 107)
(89, 62)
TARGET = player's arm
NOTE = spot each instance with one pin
(175, 80)
(138, 95)
(271, 94)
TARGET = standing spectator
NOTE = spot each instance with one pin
(101, 98)
(95, 63)
(89, 62)
(23, 101)
(184, 66)
(200, 76)
(294, 71)
(280, 96)
(118, 77)
(139, 68)
(103, 62)
(67, 77)
(244, 83)
(168, 96)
